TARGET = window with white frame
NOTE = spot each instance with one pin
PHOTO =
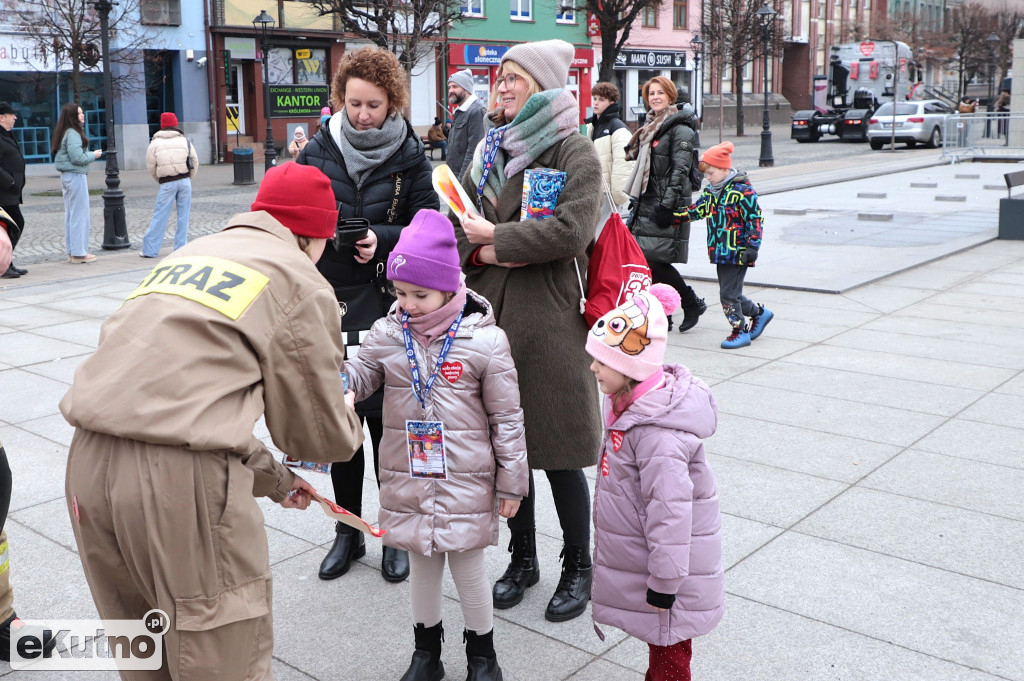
(566, 12)
(522, 10)
(472, 8)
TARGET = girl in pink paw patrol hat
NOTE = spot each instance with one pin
(657, 577)
(453, 454)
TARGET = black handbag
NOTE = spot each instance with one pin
(363, 304)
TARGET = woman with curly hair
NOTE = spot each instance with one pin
(379, 172)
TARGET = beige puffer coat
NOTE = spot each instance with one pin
(484, 437)
(167, 154)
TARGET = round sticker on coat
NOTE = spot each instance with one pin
(451, 371)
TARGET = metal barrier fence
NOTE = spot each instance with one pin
(983, 134)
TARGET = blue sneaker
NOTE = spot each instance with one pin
(739, 338)
(759, 321)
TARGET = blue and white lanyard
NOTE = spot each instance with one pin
(410, 353)
(492, 142)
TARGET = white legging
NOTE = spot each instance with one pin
(470, 575)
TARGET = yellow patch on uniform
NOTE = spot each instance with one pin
(5, 562)
(219, 284)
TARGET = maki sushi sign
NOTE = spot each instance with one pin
(297, 101)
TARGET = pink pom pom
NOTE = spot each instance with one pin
(667, 296)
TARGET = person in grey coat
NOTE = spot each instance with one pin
(459, 460)
(525, 268)
(467, 121)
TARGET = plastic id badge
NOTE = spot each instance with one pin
(306, 465)
(427, 457)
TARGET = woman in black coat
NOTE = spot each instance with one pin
(660, 187)
(378, 171)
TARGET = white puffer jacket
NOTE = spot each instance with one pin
(610, 141)
(476, 396)
(168, 153)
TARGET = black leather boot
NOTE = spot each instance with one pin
(481, 662)
(522, 572)
(426, 662)
(394, 566)
(573, 592)
(348, 545)
(692, 313)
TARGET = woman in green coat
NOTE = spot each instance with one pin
(525, 268)
(72, 158)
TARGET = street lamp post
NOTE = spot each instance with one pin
(697, 45)
(115, 228)
(766, 15)
(993, 41)
(263, 23)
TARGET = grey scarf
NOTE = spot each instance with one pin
(366, 150)
(717, 188)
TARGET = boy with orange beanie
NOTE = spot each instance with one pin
(729, 204)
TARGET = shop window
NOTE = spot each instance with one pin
(522, 10)
(285, 68)
(160, 12)
(649, 18)
(472, 8)
(679, 15)
(566, 12)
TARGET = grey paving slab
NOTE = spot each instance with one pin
(998, 338)
(900, 366)
(999, 409)
(931, 277)
(696, 351)
(1014, 386)
(59, 369)
(756, 641)
(859, 387)
(935, 477)
(52, 427)
(39, 395)
(21, 348)
(942, 536)
(827, 414)
(801, 450)
(741, 486)
(888, 298)
(85, 332)
(744, 538)
(49, 519)
(600, 670)
(99, 307)
(990, 301)
(974, 441)
(934, 348)
(23, 319)
(944, 315)
(922, 609)
(37, 467)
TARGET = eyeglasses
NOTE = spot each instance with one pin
(509, 80)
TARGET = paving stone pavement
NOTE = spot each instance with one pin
(868, 461)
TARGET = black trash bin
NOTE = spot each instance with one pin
(243, 166)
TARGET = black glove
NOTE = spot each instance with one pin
(659, 600)
(663, 216)
(748, 256)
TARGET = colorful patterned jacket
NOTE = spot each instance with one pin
(733, 220)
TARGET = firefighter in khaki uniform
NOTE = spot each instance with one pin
(163, 466)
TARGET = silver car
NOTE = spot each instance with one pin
(914, 122)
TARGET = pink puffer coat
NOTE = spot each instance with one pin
(656, 519)
(483, 432)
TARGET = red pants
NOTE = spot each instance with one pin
(670, 663)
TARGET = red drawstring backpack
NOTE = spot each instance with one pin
(618, 269)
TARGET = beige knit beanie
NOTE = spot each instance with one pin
(547, 61)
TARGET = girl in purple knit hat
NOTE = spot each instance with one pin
(657, 528)
(453, 455)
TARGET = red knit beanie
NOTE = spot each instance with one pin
(300, 198)
(168, 120)
(719, 156)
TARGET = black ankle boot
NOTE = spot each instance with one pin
(691, 313)
(669, 317)
(522, 572)
(481, 662)
(573, 592)
(348, 545)
(395, 564)
(426, 662)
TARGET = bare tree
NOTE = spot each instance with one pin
(733, 33)
(1009, 25)
(409, 29)
(616, 19)
(68, 31)
(967, 41)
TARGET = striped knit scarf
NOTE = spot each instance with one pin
(547, 118)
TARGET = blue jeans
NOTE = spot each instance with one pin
(178, 192)
(75, 188)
